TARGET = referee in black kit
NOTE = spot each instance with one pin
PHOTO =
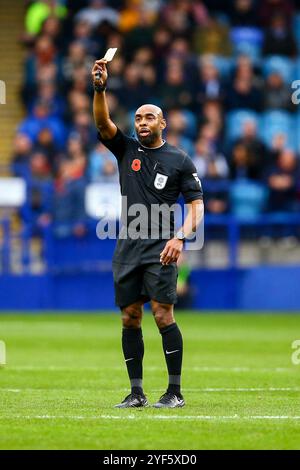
(152, 173)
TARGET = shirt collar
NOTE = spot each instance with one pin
(153, 148)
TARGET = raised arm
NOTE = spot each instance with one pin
(102, 119)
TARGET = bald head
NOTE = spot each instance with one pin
(150, 108)
(149, 124)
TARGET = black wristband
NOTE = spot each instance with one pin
(99, 88)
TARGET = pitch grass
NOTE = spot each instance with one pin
(65, 373)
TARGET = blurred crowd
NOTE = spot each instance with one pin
(220, 70)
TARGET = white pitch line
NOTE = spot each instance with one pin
(150, 368)
(154, 417)
(187, 390)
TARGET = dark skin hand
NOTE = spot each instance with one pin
(100, 66)
(171, 251)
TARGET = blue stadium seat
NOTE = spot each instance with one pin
(297, 131)
(283, 65)
(224, 65)
(278, 122)
(191, 129)
(236, 120)
(248, 199)
(131, 115)
(247, 40)
(296, 72)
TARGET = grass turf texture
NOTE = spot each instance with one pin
(65, 373)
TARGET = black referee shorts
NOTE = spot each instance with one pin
(146, 282)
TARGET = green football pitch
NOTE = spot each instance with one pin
(65, 372)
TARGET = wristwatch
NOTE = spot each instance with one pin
(180, 235)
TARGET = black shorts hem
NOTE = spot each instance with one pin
(125, 304)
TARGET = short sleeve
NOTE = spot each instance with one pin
(117, 145)
(190, 184)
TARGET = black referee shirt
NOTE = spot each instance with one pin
(151, 176)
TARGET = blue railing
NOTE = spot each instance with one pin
(88, 253)
(6, 246)
(265, 224)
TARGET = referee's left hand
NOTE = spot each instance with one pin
(171, 251)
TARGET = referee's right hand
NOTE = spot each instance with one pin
(100, 66)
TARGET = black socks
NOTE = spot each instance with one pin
(173, 349)
(133, 350)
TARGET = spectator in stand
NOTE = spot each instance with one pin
(178, 122)
(149, 79)
(21, 156)
(244, 94)
(52, 27)
(69, 215)
(39, 166)
(46, 145)
(77, 59)
(40, 119)
(48, 93)
(115, 39)
(279, 39)
(174, 90)
(102, 166)
(42, 65)
(212, 113)
(243, 13)
(210, 86)
(143, 56)
(212, 39)
(39, 11)
(74, 145)
(116, 72)
(97, 13)
(40, 192)
(267, 8)
(178, 140)
(282, 180)
(143, 59)
(130, 16)
(142, 33)
(82, 32)
(210, 132)
(213, 171)
(242, 163)
(183, 16)
(208, 163)
(134, 91)
(81, 81)
(277, 94)
(82, 126)
(161, 43)
(180, 55)
(245, 91)
(77, 101)
(118, 112)
(244, 68)
(279, 143)
(257, 152)
(181, 50)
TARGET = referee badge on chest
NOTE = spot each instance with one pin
(160, 181)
